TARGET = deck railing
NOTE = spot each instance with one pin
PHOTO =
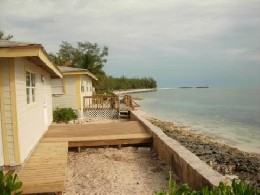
(101, 102)
(108, 102)
(129, 101)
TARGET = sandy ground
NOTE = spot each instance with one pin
(125, 171)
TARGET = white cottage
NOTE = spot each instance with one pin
(25, 99)
(70, 90)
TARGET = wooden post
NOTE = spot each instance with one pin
(130, 102)
(118, 103)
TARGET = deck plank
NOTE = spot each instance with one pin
(114, 133)
(45, 170)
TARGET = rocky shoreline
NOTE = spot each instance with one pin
(222, 158)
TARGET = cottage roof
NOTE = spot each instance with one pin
(67, 70)
(32, 52)
(9, 44)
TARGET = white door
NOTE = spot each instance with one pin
(1, 140)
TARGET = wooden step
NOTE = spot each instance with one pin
(45, 170)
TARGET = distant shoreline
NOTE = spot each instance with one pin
(134, 91)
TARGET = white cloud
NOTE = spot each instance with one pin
(235, 51)
(255, 56)
(243, 53)
(137, 30)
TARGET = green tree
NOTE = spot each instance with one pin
(67, 53)
(5, 37)
(57, 59)
(90, 62)
(93, 58)
(108, 83)
(85, 55)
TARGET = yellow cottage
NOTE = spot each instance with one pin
(70, 90)
(25, 99)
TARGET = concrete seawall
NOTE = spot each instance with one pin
(186, 165)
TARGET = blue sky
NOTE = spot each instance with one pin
(178, 42)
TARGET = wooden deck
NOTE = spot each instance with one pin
(101, 134)
(45, 170)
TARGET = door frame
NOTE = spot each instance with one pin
(45, 103)
(1, 140)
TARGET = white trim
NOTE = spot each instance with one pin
(1, 141)
(30, 87)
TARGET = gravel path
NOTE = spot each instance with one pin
(115, 171)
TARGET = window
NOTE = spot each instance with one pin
(82, 89)
(30, 87)
(83, 86)
(57, 86)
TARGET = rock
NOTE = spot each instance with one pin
(156, 169)
(242, 168)
(144, 150)
(223, 158)
(231, 177)
(71, 122)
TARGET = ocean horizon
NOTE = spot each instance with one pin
(228, 114)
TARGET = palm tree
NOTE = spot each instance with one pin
(57, 59)
(92, 64)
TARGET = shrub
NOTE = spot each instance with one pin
(63, 115)
(9, 184)
(236, 188)
(174, 189)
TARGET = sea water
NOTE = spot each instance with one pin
(231, 115)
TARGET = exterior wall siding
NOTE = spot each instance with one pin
(30, 117)
(73, 95)
(7, 123)
(69, 98)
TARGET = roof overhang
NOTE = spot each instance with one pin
(35, 54)
(81, 73)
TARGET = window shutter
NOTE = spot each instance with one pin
(57, 86)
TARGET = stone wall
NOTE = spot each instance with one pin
(186, 165)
